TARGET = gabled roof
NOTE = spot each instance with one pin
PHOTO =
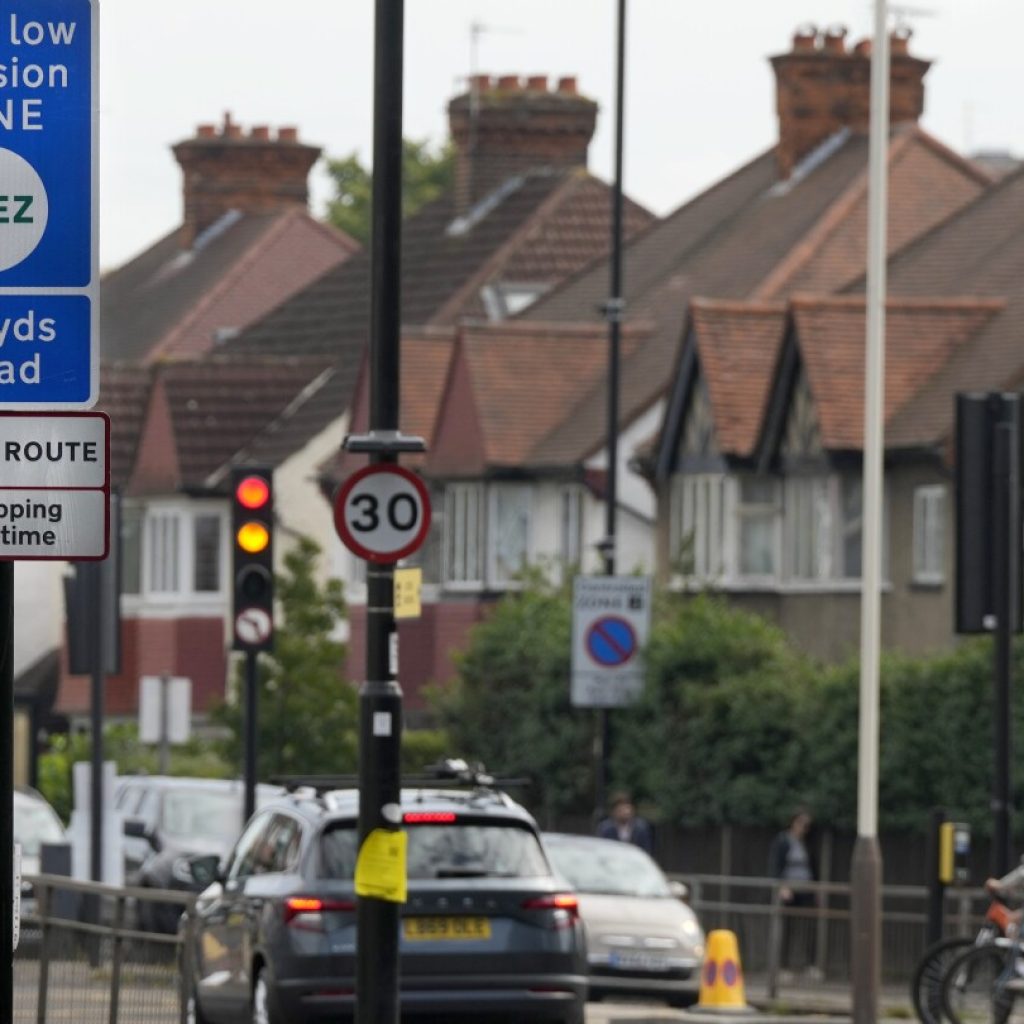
(752, 235)
(171, 302)
(508, 386)
(425, 355)
(535, 228)
(921, 336)
(175, 425)
(737, 346)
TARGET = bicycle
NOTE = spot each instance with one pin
(986, 984)
(926, 984)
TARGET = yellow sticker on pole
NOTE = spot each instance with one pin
(408, 583)
(380, 867)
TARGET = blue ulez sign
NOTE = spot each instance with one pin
(48, 260)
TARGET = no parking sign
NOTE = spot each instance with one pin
(611, 621)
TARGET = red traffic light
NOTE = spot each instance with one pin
(252, 492)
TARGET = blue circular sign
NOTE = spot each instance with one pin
(611, 641)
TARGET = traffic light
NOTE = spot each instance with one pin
(252, 532)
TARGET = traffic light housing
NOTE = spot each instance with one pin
(252, 542)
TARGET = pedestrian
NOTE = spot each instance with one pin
(790, 861)
(624, 824)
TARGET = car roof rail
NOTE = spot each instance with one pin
(449, 773)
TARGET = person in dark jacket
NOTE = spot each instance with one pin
(624, 824)
(790, 861)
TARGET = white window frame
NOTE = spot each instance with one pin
(495, 578)
(698, 509)
(464, 514)
(929, 556)
(739, 511)
(570, 526)
(171, 588)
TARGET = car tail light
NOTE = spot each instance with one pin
(429, 818)
(305, 907)
(565, 905)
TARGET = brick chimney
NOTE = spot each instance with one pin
(250, 172)
(507, 125)
(823, 86)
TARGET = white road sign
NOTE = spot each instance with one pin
(54, 485)
(382, 512)
(611, 620)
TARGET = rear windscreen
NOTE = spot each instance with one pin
(458, 850)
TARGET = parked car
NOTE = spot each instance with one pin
(487, 929)
(35, 823)
(641, 937)
(167, 821)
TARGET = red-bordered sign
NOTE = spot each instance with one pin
(382, 512)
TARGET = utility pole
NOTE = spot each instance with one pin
(866, 872)
(613, 311)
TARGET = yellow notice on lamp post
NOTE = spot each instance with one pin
(380, 866)
(408, 583)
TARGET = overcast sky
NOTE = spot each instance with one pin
(700, 97)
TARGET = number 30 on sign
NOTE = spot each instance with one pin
(382, 512)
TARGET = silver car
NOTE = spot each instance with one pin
(642, 939)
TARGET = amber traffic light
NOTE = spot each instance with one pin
(252, 521)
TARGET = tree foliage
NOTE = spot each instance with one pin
(426, 173)
(734, 726)
(307, 721)
(509, 706)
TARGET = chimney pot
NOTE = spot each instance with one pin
(567, 85)
(537, 83)
(508, 83)
(805, 39)
(206, 131)
(899, 41)
(835, 40)
(260, 132)
(480, 83)
(288, 134)
(863, 48)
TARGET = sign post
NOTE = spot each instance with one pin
(611, 620)
(49, 274)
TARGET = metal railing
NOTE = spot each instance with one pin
(84, 958)
(819, 933)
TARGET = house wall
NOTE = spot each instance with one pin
(916, 618)
(300, 505)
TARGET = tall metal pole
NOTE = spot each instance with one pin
(866, 871)
(380, 696)
(614, 309)
(251, 733)
(97, 714)
(7, 790)
(1005, 573)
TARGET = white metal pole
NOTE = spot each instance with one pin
(866, 939)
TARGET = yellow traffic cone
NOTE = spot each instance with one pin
(721, 978)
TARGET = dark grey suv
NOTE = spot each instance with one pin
(487, 932)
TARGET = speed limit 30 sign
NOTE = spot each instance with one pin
(382, 512)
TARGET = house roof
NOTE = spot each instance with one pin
(509, 386)
(752, 236)
(738, 347)
(426, 355)
(978, 251)
(921, 336)
(171, 302)
(535, 228)
(174, 425)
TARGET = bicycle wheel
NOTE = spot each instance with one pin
(926, 984)
(972, 990)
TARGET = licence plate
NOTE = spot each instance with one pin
(628, 961)
(457, 928)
